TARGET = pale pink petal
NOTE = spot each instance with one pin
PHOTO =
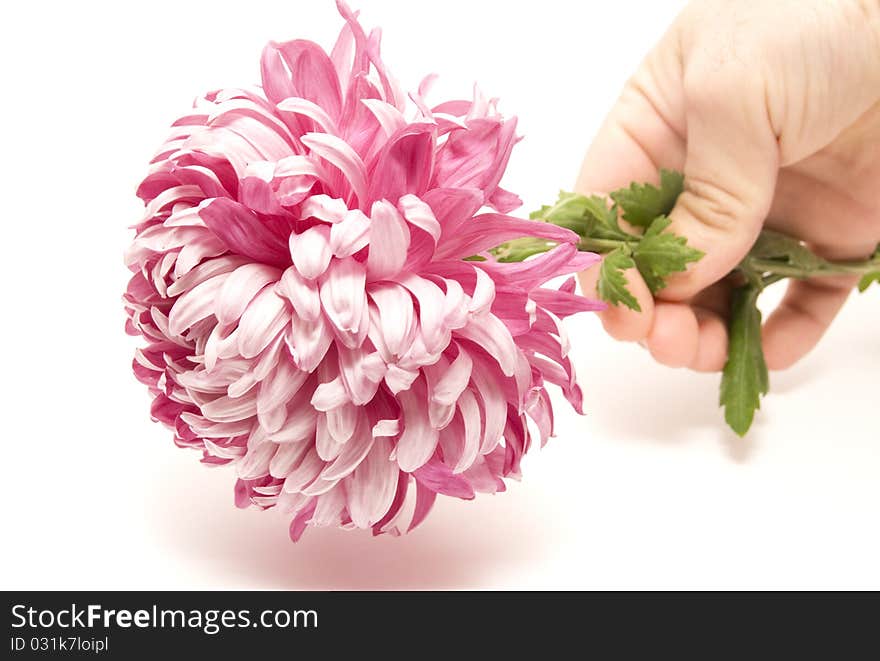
(302, 293)
(389, 241)
(341, 155)
(489, 332)
(419, 214)
(343, 296)
(304, 473)
(308, 341)
(350, 234)
(240, 288)
(390, 118)
(484, 292)
(329, 395)
(196, 304)
(286, 457)
(454, 380)
(371, 487)
(310, 251)
(324, 207)
(386, 428)
(418, 439)
(275, 391)
(256, 462)
(395, 315)
(261, 322)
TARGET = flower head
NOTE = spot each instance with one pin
(302, 282)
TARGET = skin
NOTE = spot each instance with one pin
(771, 108)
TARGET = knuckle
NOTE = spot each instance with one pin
(713, 204)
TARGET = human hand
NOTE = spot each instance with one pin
(772, 110)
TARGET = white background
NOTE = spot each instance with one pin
(648, 490)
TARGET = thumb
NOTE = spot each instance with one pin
(731, 165)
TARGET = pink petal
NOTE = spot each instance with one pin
(299, 106)
(454, 379)
(261, 322)
(329, 395)
(350, 234)
(419, 214)
(311, 74)
(353, 453)
(404, 165)
(390, 118)
(490, 333)
(424, 502)
(286, 457)
(308, 342)
(438, 477)
(484, 292)
(389, 241)
(470, 415)
(240, 288)
(275, 391)
(310, 251)
(343, 296)
(302, 293)
(195, 305)
(395, 315)
(418, 440)
(305, 473)
(490, 229)
(243, 232)
(342, 156)
(324, 207)
(372, 486)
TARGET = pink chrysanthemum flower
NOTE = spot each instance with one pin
(300, 277)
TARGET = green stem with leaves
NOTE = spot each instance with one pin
(646, 245)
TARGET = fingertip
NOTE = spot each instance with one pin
(781, 349)
(619, 321)
(712, 344)
(625, 324)
(673, 337)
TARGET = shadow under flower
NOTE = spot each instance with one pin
(460, 545)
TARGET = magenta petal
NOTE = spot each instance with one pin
(539, 269)
(490, 229)
(243, 232)
(404, 164)
(301, 68)
(425, 497)
(438, 477)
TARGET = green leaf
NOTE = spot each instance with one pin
(520, 249)
(745, 378)
(588, 216)
(868, 280)
(642, 203)
(782, 248)
(658, 254)
(569, 212)
(612, 286)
